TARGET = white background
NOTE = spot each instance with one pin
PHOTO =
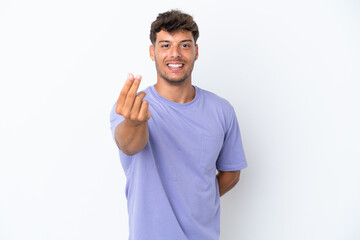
(290, 69)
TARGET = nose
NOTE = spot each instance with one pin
(175, 52)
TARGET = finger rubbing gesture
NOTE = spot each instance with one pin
(130, 104)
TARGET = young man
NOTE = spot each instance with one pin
(171, 138)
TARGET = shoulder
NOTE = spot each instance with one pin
(149, 93)
(216, 101)
(147, 89)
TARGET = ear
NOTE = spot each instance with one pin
(152, 52)
(196, 52)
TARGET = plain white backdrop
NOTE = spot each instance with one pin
(289, 68)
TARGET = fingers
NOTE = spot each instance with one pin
(124, 91)
(130, 104)
(131, 95)
(137, 104)
(144, 113)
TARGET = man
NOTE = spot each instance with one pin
(171, 138)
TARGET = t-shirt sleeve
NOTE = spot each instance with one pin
(116, 119)
(232, 155)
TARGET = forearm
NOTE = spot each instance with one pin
(131, 138)
(227, 180)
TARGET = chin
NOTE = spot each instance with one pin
(175, 82)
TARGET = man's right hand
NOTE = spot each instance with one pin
(131, 105)
(132, 134)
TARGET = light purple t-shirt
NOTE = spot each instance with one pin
(172, 191)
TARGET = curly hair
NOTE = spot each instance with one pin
(172, 21)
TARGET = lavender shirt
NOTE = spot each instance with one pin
(172, 191)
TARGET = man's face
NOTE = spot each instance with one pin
(174, 55)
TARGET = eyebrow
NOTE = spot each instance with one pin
(167, 41)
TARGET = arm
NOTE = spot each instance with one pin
(132, 134)
(131, 138)
(227, 180)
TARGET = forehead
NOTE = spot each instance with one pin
(176, 36)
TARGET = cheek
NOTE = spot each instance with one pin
(159, 56)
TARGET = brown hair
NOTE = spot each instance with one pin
(172, 21)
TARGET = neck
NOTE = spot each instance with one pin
(183, 93)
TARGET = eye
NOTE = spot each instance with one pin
(186, 45)
(165, 46)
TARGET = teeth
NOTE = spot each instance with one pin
(175, 65)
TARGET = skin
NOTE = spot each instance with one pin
(178, 47)
(173, 83)
(227, 180)
(132, 134)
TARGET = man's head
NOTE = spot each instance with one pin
(173, 35)
(173, 21)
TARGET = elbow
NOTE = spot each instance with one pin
(129, 153)
(236, 178)
(231, 177)
(124, 149)
(130, 149)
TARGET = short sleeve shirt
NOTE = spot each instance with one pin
(171, 189)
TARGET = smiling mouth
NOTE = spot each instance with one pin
(175, 66)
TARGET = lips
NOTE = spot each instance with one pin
(175, 66)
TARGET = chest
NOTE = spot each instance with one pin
(186, 140)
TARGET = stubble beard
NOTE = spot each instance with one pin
(174, 82)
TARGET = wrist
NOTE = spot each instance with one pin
(134, 123)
